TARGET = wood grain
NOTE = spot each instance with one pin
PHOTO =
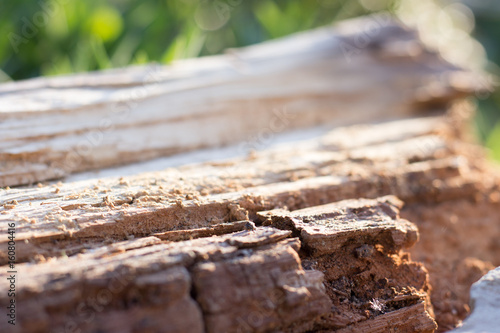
(324, 76)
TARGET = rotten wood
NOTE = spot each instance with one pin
(298, 237)
(430, 167)
(248, 281)
(150, 288)
(357, 245)
(296, 176)
(327, 228)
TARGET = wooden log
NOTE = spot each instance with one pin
(251, 243)
(134, 114)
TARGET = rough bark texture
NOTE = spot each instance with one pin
(249, 281)
(356, 244)
(139, 286)
(304, 236)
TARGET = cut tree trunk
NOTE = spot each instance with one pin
(308, 235)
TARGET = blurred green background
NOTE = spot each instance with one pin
(50, 37)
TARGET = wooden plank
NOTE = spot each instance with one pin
(216, 230)
(410, 319)
(122, 116)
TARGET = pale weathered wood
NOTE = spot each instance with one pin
(216, 230)
(53, 127)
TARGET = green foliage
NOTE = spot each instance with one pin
(493, 142)
(488, 120)
(49, 37)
